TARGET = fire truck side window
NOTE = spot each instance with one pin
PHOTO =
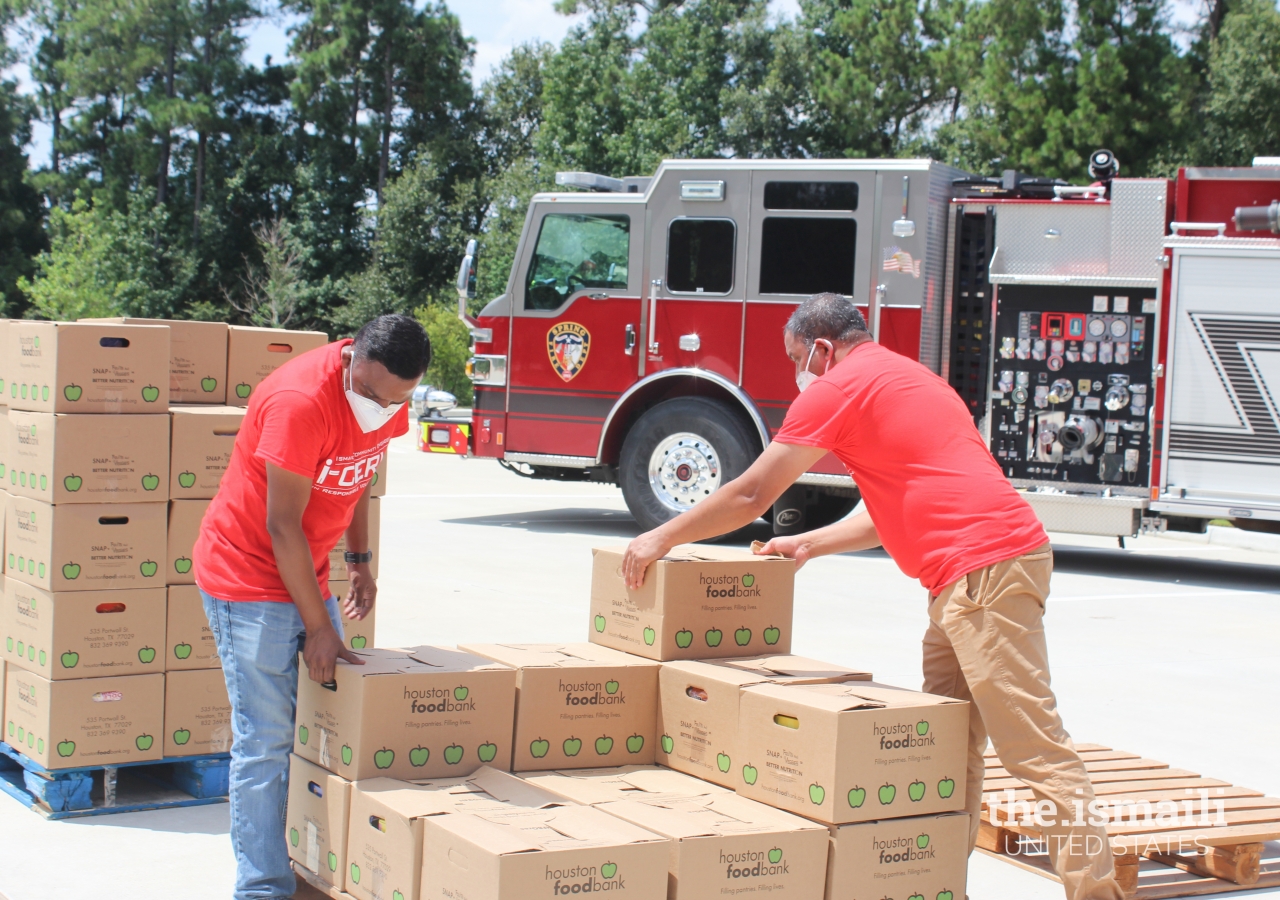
(807, 256)
(700, 256)
(575, 252)
(831, 196)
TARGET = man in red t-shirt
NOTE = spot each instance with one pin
(939, 504)
(299, 478)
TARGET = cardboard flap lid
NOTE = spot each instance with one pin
(657, 780)
(496, 837)
(849, 695)
(448, 659)
(555, 655)
(508, 788)
(765, 668)
(524, 831)
(587, 825)
(712, 815)
(232, 412)
(705, 553)
(377, 661)
(592, 786)
(695, 670)
(408, 799)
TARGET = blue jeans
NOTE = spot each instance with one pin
(259, 644)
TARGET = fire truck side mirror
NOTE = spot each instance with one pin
(467, 275)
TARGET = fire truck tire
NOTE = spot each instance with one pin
(680, 452)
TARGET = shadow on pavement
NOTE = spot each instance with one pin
(604, 522)
(1199, 572)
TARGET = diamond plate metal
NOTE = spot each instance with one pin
(1138, 207)
(1078, 514)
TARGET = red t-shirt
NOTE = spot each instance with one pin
(939, 501)
(299, 420)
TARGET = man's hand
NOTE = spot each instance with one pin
(363, 591)
(797, 546)
(321, 652)
(643, 550)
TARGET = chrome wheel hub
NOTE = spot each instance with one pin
(683, 470)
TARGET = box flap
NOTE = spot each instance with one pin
(711, 815)
(508, 788)
(849, 695)
(527, 830)
(592, 786)
(796, 667)
(555, 655)
(236, 412)
(448, 659)
(496, 837)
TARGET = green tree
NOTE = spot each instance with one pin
(1241, 105)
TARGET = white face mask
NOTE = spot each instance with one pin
(370, 414)
(805, 378)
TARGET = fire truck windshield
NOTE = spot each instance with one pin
(576, 252)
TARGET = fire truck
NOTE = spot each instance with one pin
(1118, 344)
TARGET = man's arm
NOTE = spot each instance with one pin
(287, 497)
(738, 503)
(847, 536)
(364, 589)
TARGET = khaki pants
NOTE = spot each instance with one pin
(986, 644)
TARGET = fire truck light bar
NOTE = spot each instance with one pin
(591, 181)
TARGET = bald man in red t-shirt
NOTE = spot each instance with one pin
(940, 506)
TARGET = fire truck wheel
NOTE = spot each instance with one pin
(679, 453)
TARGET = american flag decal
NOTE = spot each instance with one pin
(898, 260)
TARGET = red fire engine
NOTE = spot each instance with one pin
(639, 341)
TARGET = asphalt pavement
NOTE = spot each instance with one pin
(1166, 648)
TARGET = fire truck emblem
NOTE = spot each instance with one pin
(898, 260)
(567, 346)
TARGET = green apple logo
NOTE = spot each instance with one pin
(418, 757)
(922, 841)
(151, 393)
(181, 736)
(208, 384)
(72, 392)
(611, 687)
(396, 895)
(346, 755)
(147, 655)
(333, 861)
(8, 642)
(40, 745)
(817, 793)
(775, 855)
(460, 693)
(41, 570)
(242, 391)
(44, 483)
(608, 870)
(355, 870)
(43, 658)
(148, 568)
(887, 793)
(65, 748)
(635, 743)
(70, 659)
(742, 636)
(303, 734)
(684, 638)
(22, 649)
(915, 790)
(916, 897)
(572, 746)
(722, 762)
(453, 754)
(922, 728)
(857, 796)
(293, 836)
(182, 565)
(649, 636)
(604, 745)
(539, 748)
(749, 774)
(945, 895)
(31, 652)
(667, 743)
(946, 787)
(384, 758)
(182, 651)
(144, 741)
(771, 635)
(359, 642)
(713, 637)
(599, 620)
(150, 482)
(71, 571)
(487, 752)
(748, 580)
(187, 479)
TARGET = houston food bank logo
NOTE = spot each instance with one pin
(567, 346)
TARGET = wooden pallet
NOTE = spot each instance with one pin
(1233, 844)
(101, 790)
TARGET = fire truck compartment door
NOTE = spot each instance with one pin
(1223, 442)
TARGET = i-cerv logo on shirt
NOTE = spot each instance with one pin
(348, 476)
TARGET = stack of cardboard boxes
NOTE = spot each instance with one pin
(682, 753)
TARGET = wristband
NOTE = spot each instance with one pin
(350, 558)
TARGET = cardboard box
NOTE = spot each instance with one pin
(385, 837)
(197, 358)
(201, 442)
(698, 708)
(697, 602)
(74, 367)
(197, 713)
(378, 487)
(544, 853)
(88, 459)
(356, 635)
(316, 821)
(921, 856)
(852, 752)
(579, 705)
(185, 517)
(189, 641)
(84, 722)
(85, 546)
(415, 713)
(338, 565)
(254, 353)
(725, 844)
(4, 361)
(594, 786)
(83, 634)
(4, 442)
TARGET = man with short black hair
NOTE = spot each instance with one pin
(299, 478)
(939, 504)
